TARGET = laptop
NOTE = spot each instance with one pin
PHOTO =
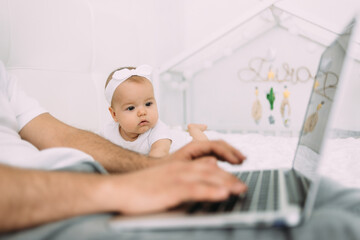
(277, 197)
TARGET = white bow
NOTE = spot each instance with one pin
(122, 75)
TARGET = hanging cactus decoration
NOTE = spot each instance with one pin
(271, 98)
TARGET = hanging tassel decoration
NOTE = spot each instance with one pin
(256, 111)
(285, 109)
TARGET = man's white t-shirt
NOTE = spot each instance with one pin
(16, 110)
(144, 141)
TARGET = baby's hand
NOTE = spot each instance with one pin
(160, 148)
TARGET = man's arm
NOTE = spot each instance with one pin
(31, 197)
(45, 131)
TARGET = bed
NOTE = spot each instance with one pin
(341, 160)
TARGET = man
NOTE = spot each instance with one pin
(67, 204)
(32, 138)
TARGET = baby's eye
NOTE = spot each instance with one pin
(148, 104)
(130, 108)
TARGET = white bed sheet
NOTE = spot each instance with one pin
(341, 159)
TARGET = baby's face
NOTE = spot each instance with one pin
(134, 107)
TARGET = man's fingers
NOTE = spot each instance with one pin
(208, 159)
(204, 192)
(239, 157)
(226, 152)
(204, 173)
(220, 149)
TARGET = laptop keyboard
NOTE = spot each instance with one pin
(262, 195)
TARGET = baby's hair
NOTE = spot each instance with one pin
(112, 73)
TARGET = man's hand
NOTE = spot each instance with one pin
(216, 149)
(167, 185)
(36, 197)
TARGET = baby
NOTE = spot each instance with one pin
(133, 108)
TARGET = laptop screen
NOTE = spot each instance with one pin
(321, 101)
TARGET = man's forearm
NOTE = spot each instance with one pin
(114, 158)
(45, 131)
(30, 198)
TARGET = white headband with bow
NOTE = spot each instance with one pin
(122, 75)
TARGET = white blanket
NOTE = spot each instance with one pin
(341, 159)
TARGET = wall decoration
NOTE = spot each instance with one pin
(285, 109)
(255, 72)
(312, 120)
(256, 110)
(330, 81)
(271, 98)
(271, 75)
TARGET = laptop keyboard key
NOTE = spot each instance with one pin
(194, 207)
(269, 179)
(264, 191)
(230, 203)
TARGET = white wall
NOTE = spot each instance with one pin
(62, 50)
(332, 15)
(48, 47)
(130, 33)
(226, 103)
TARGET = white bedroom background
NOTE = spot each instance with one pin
(70, 46)
(210, 87)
